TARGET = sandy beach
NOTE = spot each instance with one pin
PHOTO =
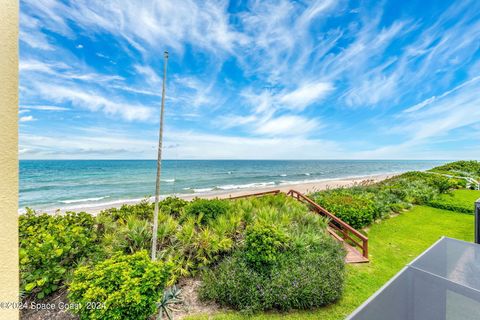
(222, 194)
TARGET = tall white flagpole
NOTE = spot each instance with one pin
(159, 162)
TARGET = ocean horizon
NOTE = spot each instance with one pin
(59, 184)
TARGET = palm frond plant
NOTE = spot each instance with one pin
(170, 299)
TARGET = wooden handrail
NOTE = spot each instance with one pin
(335, 222)
(258, 194)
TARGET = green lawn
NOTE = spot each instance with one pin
(392, 243)
(459, 200)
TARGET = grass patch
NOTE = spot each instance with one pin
(458, 200)
(393, 243)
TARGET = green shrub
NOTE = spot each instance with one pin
(301, 279)
(167, 226)
(127, 236)
(125, 287)
(287, 261)
(205, 209)
(136, 235)
(194, 247)
(360, 205)
(129, 228)
(142, 210)
(173, 206)
(263, 245)
(356, 209)
(440, 183)
(414, 192)
(460, 168)
(194, 243)
(307, 280)
(50, 245)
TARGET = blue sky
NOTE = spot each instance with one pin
(250, 79)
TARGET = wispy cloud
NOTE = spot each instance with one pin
(63, 70)
(434, 119)
(98, 144)
(305, 95)
(44, 108)
(266, 107)
(256, 71)
(150, 24)
(240, 147)
(433, 99)
(194, 92)
(31, 34)
(104, 145)
(27, 119)
(287, 126)
(94, 101)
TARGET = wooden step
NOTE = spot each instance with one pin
(353, 255)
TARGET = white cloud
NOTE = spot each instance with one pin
(137, 90)
(287, 126)
(421, 105)
(63, 70)
(44, 108)
(231, 121)
(27, 65)
(372, 91)
(305, 95)
(95, 143)
(27, 119)
(266, 104)
(95, 101)
(195, 92)
(146, 24)
(149, 74)
(431, 100)
(31, 34)
(197, 145)
(458, 108)
(280, 44)
(290, 55)
(98, 143)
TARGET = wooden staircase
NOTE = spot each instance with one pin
(355, 243)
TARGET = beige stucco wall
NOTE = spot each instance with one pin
(8, 155)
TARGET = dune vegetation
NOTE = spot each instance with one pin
(258, 256)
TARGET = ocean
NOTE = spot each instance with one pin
(52, 184)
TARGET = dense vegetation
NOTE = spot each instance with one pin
(285, 263)
(392, 244)
(50, 247)
(461, 169)
(360, 205)
(252, 254)
(111, 265)
(298, 278)
(123, 287)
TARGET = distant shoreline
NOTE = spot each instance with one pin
(303, 187)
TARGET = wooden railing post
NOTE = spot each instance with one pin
(365, 248)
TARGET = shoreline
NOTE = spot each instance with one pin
(303, 187)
